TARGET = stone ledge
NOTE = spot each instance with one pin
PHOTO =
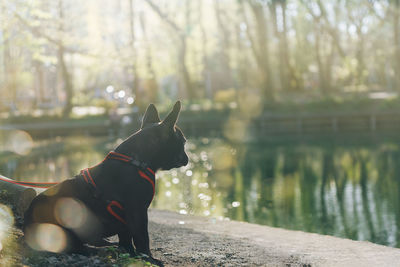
(190, 240)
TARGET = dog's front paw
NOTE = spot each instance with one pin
(152, 260)
(128, 249)
(156, 262)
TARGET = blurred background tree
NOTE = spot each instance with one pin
(56, 55)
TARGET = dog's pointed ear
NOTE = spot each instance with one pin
(150, 116)
(172, 117)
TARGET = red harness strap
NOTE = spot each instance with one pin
(115, 204)
(143, 175)
(85, 173)
(113, 213)
(30, 184)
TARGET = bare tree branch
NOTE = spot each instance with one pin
(164, 17)
(56, 42)
(328, 26)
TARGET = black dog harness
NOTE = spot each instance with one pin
(113, 206)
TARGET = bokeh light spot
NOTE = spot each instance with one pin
(250, 104)
(235, 204)
(130, 100)
(6, 221)
(222, 158)
(46, 236)
(70, 213)
(110, 89)
(20, 142)
(236, 129)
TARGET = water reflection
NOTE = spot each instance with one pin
(345, 191)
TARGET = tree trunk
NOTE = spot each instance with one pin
(183, 56)
(396, 36)
(16, 196)
(263, 60)
(241, 58)
(186, 82)
(224, 45)
(9, 66)
(69, 93)
(288, 78)
(282, 66)
(360, 57)
(66, 77)
(39, 92)
(151, 74)
(324, 63)
(293, 79)
(206, 73)
(6, 51)
(135, 82)
(321, 71)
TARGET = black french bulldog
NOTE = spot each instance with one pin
(111, 197)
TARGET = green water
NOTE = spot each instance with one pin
(341, 190)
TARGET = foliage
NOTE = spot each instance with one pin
(57, 54)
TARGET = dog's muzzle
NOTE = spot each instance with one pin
(183, 159)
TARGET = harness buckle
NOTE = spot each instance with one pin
(139, 164)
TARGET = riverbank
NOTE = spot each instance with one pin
(272, 120)
(181, 240)
(233, 126)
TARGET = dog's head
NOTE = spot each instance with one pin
(160, 143)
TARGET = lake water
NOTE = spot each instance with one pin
(346, 191)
